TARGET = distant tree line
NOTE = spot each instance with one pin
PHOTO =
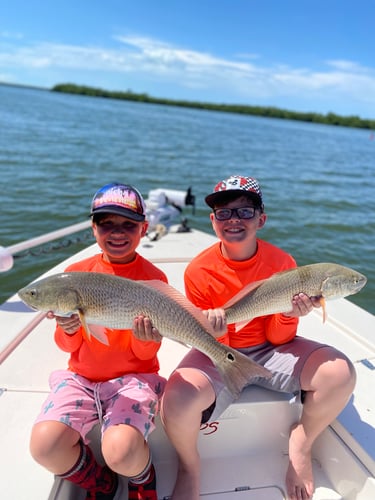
(266, 111)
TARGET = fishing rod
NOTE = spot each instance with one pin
(6, 253)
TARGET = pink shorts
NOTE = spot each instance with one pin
(132, 399)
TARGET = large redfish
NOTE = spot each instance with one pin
(114, 302)
(274, 295)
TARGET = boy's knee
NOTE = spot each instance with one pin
(48, 438)
(119, 445)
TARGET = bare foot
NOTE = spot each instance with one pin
(187, 485)
(299, 477)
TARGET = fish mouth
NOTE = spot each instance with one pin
(25, 296)
(358, 284)
(30, 306)
(33, 307)
(362, 280)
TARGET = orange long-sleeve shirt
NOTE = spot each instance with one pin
(211, 280)
(125, 353)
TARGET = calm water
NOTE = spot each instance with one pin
(56, 150)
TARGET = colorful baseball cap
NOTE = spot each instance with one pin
(119, 199)
(235, 183)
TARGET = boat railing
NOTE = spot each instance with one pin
(30, 323)
(6, 253)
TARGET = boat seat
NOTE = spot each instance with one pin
(255, 426)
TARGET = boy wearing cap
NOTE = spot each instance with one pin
(116, 385)
(195, 393)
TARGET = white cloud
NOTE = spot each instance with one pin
(349, 66)
(157, 61)
(168, 54)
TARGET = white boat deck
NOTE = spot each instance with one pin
(244, 454)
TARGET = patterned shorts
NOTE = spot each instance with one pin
(132, 399)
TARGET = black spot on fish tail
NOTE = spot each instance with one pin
(238, 370)
(230, 357)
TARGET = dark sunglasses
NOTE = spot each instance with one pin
(241, 213)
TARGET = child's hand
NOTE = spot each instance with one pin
(70, 324)
(143, 330)
(217, 319)
(302, 304)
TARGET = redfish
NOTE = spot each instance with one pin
(274, 295)
(114, 302)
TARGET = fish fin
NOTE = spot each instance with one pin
(323, 304)
(238, 370)
(171, 292)
(84, 325)
(242, 293)
(96, 331)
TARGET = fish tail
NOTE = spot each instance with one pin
(238, 370)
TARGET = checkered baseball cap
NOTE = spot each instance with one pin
(235, 184)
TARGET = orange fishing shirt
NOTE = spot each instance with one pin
(211, 280)
(125, 353)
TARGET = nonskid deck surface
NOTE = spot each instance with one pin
(255, 477)
(248, 477)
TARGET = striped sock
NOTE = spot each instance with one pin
(90, 475)
(144, 475)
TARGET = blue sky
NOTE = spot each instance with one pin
(306, 55)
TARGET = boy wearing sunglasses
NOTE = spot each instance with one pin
(195, 393)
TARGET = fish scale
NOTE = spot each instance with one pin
(114, 302)
(274, 295)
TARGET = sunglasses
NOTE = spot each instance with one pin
(241, 213)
